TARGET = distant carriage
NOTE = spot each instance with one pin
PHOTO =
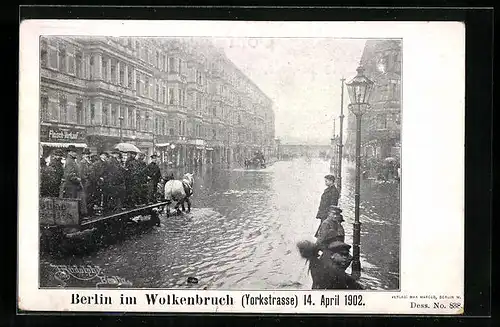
(256, 162)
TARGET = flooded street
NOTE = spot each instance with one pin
(243, 229)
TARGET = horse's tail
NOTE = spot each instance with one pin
(307, 249)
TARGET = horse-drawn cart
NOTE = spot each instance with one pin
(61, 219)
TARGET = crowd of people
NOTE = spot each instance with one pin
(329, 256)
(106, 182)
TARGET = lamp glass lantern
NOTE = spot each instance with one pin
(360, 90)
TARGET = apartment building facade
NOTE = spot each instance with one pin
(181, 98)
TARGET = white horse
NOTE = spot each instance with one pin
(179, 192)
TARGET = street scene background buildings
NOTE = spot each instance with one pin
(204, 105)
(181, 97)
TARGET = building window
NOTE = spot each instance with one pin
(71, 64)
(104, 69)
(214, 134)
(170, 96)
(105, 121)
(137, 47)
(156, 125)
(393, 90)
(138, 83)
(157, 62)
(92, 114)
(171, 65)
(43, 53)
(214, 111)
(63, 109)
(44, 108)
(79, 112)
(164, 94)
(114, 115)
(146, 86)
(129, 77)
(180, 97)
(79, 65)
(92, 67)
(171, 131)
(62, 59)
(381, 121)
(180, 66)
(138, 121)
(122, 75)
(130, 117)
(157, 93)
(147, 122)
(113, 72)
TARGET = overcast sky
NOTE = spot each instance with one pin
(302, 77)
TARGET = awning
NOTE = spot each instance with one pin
(162, 144)
(63, 145)
(209, 149)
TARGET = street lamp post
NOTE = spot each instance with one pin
(341, 144)
(360, 89)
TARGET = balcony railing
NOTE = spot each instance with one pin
(56, 75)
(117, 89)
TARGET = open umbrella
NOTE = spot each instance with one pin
(390, 159)
(127, 147)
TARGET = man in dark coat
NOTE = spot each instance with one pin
(131, 180)
(72, 180)
(153, 175)
(330, 197)
(86, 173)
(331, 228)
(56, 173)
(141, 179)
(115, 183)
(99, 170)
(328, 270)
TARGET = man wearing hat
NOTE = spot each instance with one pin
(153, 175)
(142, 181)
(328, 271)
(86, 172)
(131, 180)
(99, 171)
(56, 169)
(331, 228)
(115, 183)
(72, 180)
(330, 197)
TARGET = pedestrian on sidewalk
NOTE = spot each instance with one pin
(330, 197)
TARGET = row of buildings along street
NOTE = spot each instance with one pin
(181, 97)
